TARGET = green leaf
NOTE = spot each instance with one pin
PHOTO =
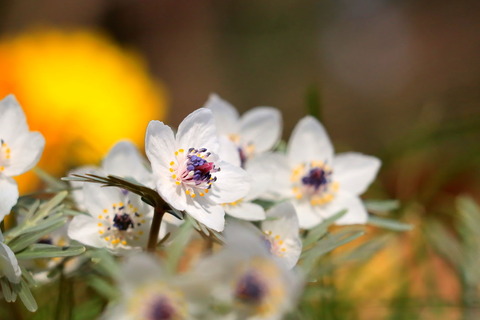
(379, 206)
(103, 287)
(26, 296)
(319, 231)
(50, 180)
(389, 224)
(39, 250)
(444, 242)
(9, 294)
(24, 240)
(180, 239)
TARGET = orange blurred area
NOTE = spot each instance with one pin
(82, 91)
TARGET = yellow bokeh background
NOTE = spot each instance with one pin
(82, 91)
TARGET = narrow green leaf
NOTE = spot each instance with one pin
(24, 240)
(180, 240)
(319, 231)
(39, 250)
(50, 180)
(26, 296)
(381, 205)
(444, 242)
(389, 224)
(103, 287)
(8, 293)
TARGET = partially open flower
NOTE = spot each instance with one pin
(20, 150)
(188, 172)
(255, 132)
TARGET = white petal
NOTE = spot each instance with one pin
(284, 220)
(159, 146)
(9, 264)
(198, 130)
(229, 151)
(206, 212)
(8, 196)
(261, 173)
(12, 119)
(225, 115)
(142, 269)
(246, 211)
(309, 141)
(98, 198)
(124, 160)
(262, 127)
(355, 171)
(174, 195)
(280, 186)
(308, 215)
(232, 183)
(77, 192)
(26, 150)
(356, 212)
(84, 229)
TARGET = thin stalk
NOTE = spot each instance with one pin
(155, 228)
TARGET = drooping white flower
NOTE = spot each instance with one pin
(148, 293)
(188, 172)
(20, 150)
(117, 220)
(123, 160)
(9, 267)
(282, 233)
(318, 182)
(255, 132)
(246, 277)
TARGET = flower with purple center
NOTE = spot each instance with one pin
(188, 172)
(318, 182)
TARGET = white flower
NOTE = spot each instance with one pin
(245, 276)
(320, 183)
(8, 263)
(256, 131)
(20, 150)
(188, 172)
(117, 220)
(123, 160)
(148, 294)
(282, 233)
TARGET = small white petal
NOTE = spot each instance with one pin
(124, 160)
(206, 212)
(232, 183)
(308, 142)
(229, 151)
(308, 215)
(8, 196)
(84, 229)
(9, 264)
(77, 192)
(284, 220)
(262, 172)
(279, 168)
(12, 119)
(356, 212)
(198, 130)
(98, 198)
(355, 171)
(26, 151)
(159, 147)
(246, 211)
(262, 127)
(225, 115)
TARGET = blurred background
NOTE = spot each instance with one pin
(396, 79)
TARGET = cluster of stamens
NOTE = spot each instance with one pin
(5, 155)
(158, 301)
(313, 182)
(120, 224)
(275, 244)
(250, 288)
(245, 150)
(193, 170)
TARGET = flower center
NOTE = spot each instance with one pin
(158, 301)
(194, 170)
(313, 181)
(162, 309)
(275, 244)
(121, 224)
(250, 288)
(5, 154)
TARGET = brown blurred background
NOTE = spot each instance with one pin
(380, 66)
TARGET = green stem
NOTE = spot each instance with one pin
(155, 228)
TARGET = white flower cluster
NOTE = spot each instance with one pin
(217, 163)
